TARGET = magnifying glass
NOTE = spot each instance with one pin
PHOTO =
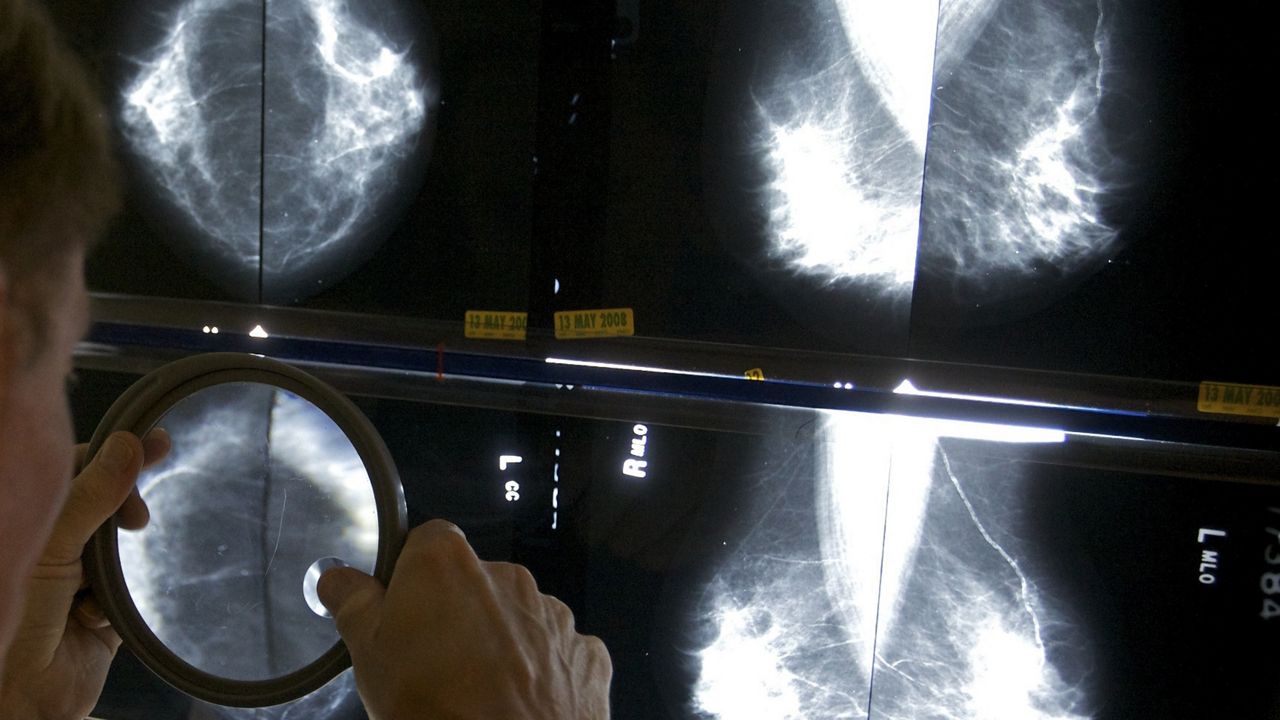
(273, 478)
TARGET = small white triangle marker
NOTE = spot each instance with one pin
(258, 332)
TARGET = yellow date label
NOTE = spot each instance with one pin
(754, 374)
(611, 322)
(495, 325)
(1233, 399)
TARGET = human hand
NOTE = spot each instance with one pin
(455, 637)
(63, 647)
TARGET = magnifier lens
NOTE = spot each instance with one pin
(259, 483)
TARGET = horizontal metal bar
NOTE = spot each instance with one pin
(446, 362)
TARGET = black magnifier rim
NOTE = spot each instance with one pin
(137, 411)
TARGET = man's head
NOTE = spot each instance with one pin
(57, 176)
(57, 190)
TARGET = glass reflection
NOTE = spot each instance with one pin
(259, 485)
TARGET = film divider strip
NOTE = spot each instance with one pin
(1236, 399)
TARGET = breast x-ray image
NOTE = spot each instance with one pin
(821, 564)
(283, 138)
(945, 570)
(290, 152)
(1060, 185)
(1072, 186)
(280, 136)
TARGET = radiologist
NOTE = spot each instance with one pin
(451, 636)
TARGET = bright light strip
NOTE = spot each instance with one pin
(906, 388)
(989, 431)
(637, 368)
(983, 431)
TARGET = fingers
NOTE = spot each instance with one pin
(591, 659)
(155, 446)
(557, 614)
(431, 552)
(134, 514)
(438, 555)
(438, 569)
(80, 451)
(89, 615)
(88, 612)
(96, 493)
(596, 671)
(436, 534)
(516, 582)
(435, 555)
(354, 600)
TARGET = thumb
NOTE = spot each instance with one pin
(354, 599)
(96, 493)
